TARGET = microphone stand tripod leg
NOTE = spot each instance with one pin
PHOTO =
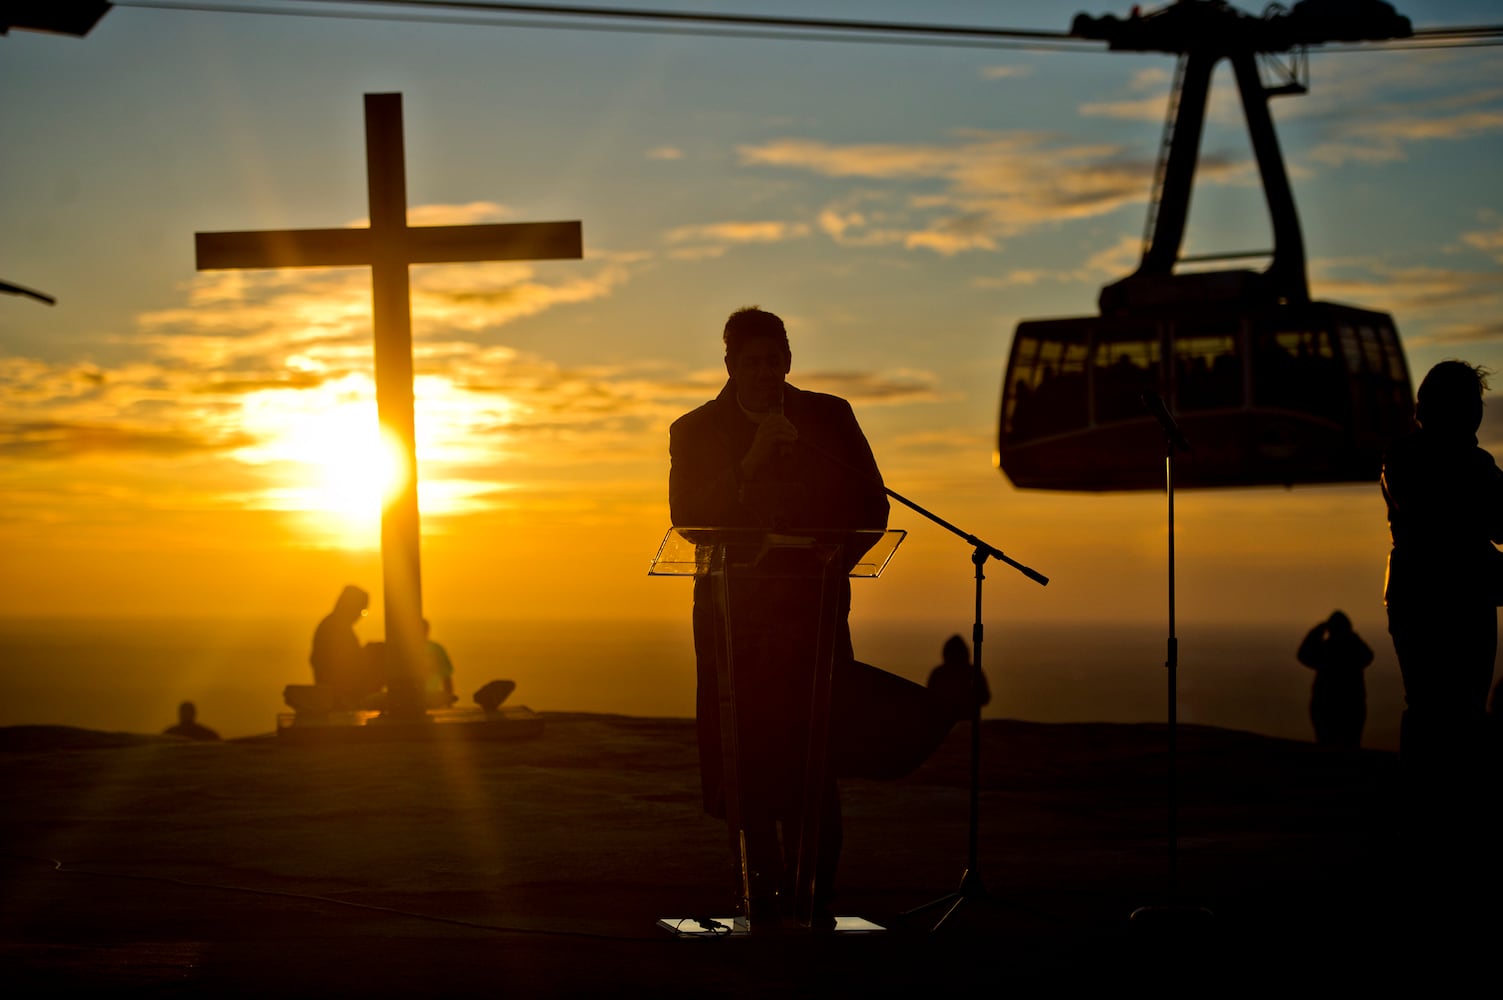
(971, 886)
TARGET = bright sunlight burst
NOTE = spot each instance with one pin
(328, 456)
(331, 464)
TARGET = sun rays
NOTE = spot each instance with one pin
(328, 462)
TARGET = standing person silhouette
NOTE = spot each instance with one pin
(1445, 510)
(1338, 695)
(765, 455)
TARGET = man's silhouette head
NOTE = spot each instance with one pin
(757, 356)
(1449, 400)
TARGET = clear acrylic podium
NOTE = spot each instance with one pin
(742, 564)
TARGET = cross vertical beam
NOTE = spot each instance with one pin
(389, 246)
(391, 313)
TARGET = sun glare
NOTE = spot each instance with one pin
(332, 465)
(328, 454)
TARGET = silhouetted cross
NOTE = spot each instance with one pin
(388, 247)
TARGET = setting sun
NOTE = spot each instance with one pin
(327, 461)
(327, 454)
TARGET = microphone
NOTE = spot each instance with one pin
(785, 451)
(1154, 404)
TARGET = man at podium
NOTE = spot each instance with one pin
(768, 457)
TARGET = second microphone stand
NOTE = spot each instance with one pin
(1171, 913)
(971, 886)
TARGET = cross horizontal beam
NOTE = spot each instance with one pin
(412, 245)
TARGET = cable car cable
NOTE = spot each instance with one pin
(758, 27)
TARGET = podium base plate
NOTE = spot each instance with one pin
(720, 927)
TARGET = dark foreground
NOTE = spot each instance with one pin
(141, 865)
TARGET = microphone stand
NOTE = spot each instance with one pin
(970, 886)
(1171, 913)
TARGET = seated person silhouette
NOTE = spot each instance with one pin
(340, 664)
(1338, 696)
(188, 726)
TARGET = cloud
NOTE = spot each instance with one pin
(46, 440)
(1385, 132)
(284, 380)
(439, 214)
(768, 231)
(875, 388)
(1005, 72)
(1150, 78)
(1153, 84)
(849, 224)
(955, 234)
(254, 375)
(1489, 241)
(1380, 285)
(1138, 109)
(868, 160)
(1114, 261)
(698, 253)
(498, 428)
(322, 316)
(972, 193)
(468, 214)
(711, 240)
(479, 297)
(1431, 305)
(665, 153)
(1461, 333)
(53, 412)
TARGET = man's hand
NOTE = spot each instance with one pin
(775, 435)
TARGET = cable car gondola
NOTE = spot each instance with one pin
(1270, 387)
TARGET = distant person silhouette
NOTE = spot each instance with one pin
(1338, 695)
(1445, 510)
(188, 726)
(438, 684)
(956, 685)
(339, 663)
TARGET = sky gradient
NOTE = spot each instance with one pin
(191, 443)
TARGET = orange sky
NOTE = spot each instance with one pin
(192, 443)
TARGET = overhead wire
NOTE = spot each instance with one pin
(494, 13)
(712, 17)
(772, 29)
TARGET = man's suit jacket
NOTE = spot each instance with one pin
(828, 479)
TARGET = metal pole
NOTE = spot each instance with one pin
(1172, 663)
